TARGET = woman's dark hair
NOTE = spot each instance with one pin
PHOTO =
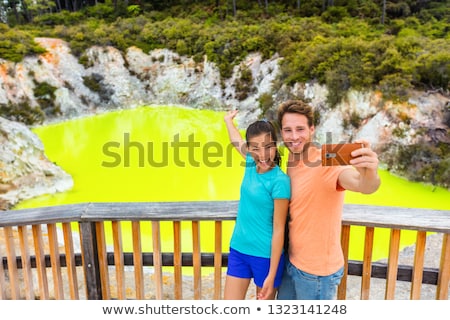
(263, 126)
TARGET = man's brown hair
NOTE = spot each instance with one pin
(296, 106)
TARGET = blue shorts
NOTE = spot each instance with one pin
(245, 266)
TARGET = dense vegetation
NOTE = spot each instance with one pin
(390, 46)
(341, 43)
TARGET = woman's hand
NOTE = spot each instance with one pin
(230, 115)
(234, 134)
(267, 292)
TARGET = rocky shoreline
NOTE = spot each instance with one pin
(25, 170)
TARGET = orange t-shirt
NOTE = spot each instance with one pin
(315, 216)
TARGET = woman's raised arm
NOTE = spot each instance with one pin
(234, 134)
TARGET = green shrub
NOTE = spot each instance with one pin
(45, 96)
(396, 86)
(94, 83)
(422, 162)
(16, 44)
(334, 14)
(22, 112)
(101, 11)
(337, 84)
(433, 67)
(244, 84)
(265, 103)
(43, 89)
(62, 18)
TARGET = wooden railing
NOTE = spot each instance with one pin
(80, 251)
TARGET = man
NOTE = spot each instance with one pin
(315, 261)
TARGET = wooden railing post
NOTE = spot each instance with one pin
(345, 243)
(196, 260)
(444, 270)
(391, 277)
(419, 257)
(90, 260)
(218, 260)
(367, 263)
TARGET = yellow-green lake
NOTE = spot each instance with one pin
(181, 154)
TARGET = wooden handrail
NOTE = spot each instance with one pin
(430, 220)
(397, 218)
(25, 265)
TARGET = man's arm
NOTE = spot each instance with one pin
(365, 178)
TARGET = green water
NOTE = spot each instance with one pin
(181, 154)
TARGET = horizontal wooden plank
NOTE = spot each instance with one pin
(397, 218)
(207, 260)
(404, 273)
(379, 270)
(42, 215)
(62, 259)
(362, 215)
(163, 211)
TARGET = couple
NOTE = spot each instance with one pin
(313, 195)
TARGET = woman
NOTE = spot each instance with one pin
(256, 246)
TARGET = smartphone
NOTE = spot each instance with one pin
(338, 154)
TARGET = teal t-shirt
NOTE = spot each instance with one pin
(253, 230)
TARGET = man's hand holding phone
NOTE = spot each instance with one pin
(338, 154)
